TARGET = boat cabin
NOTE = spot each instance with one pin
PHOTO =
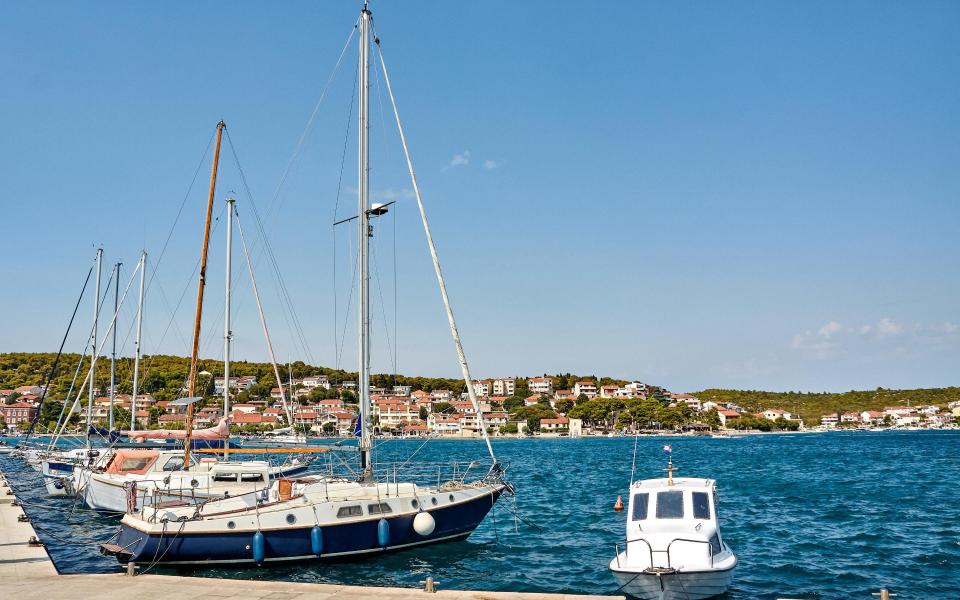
(672, 523)
(152, 463)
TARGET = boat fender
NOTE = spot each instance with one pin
(316, 540)
(618, 505)
(383, 533)
(259, 548)
(424, 523)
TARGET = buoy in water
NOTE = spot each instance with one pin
(618, 505)
(424, 523)
(383, 533)
(316, 540)
(259, 548)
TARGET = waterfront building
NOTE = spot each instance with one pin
(556, 425)
(772, 414)
(18, 413)
(728, 418)
(830, 420)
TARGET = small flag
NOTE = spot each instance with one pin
(667, 449)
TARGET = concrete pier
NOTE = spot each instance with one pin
(28, 573)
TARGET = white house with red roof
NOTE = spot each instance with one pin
(772, 414)
(554, 425)
(728, 417)
(540, 385)
(444, 424)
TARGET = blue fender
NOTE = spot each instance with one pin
(316, 540)
(259, 548)
(383, 533)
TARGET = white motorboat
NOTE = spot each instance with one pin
(673, 549)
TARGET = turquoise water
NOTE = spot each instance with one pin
(835, 515)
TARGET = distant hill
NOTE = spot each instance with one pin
(811, 406)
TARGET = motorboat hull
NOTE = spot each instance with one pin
(669, 584)
(58, 477)
(177, 546)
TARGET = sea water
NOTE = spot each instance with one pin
(830, 515)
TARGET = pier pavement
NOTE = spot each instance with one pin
(28, 573)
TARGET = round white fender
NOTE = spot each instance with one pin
(424, 524)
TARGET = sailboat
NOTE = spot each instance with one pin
(126, 479)
(380, 507)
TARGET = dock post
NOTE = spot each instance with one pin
(429, 585)
(131, 568)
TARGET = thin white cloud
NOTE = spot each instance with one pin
(884, 336)
(392, 194)
(460, 160)
(888, 327)
(829, 330)
(490, 164)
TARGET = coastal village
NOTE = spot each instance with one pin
(509, 406)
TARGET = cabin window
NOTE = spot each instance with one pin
(224, 476)
(376, 509)
(670, 505)
(135, 464)
(174, 463)
(701, 505)
(350, 511)
(715, 543)
(640, 502)
(251, 476)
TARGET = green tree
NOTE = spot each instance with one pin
(711, 418)
(564, 406)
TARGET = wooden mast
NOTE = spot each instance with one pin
(192, 381)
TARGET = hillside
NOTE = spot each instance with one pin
(163, 375)
(811, 406)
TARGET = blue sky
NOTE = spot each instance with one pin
(753, 194)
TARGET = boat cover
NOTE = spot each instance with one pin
(220, 432)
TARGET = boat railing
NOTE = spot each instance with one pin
(626, 545)
(427, 474)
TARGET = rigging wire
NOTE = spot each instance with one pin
(336, 206)
(56, 361)
(274, 206)
(163, 250)
(294, 327)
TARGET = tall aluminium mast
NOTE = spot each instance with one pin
(113, 351)
(93, 341)
(192, 380)
(363, 241)
(137, 348)
(227, 334)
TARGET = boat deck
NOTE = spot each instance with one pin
(28, 573)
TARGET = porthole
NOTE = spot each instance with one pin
(434, 500)
(451, 497)
(231, 525)
(291, 518)
(414, 503)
